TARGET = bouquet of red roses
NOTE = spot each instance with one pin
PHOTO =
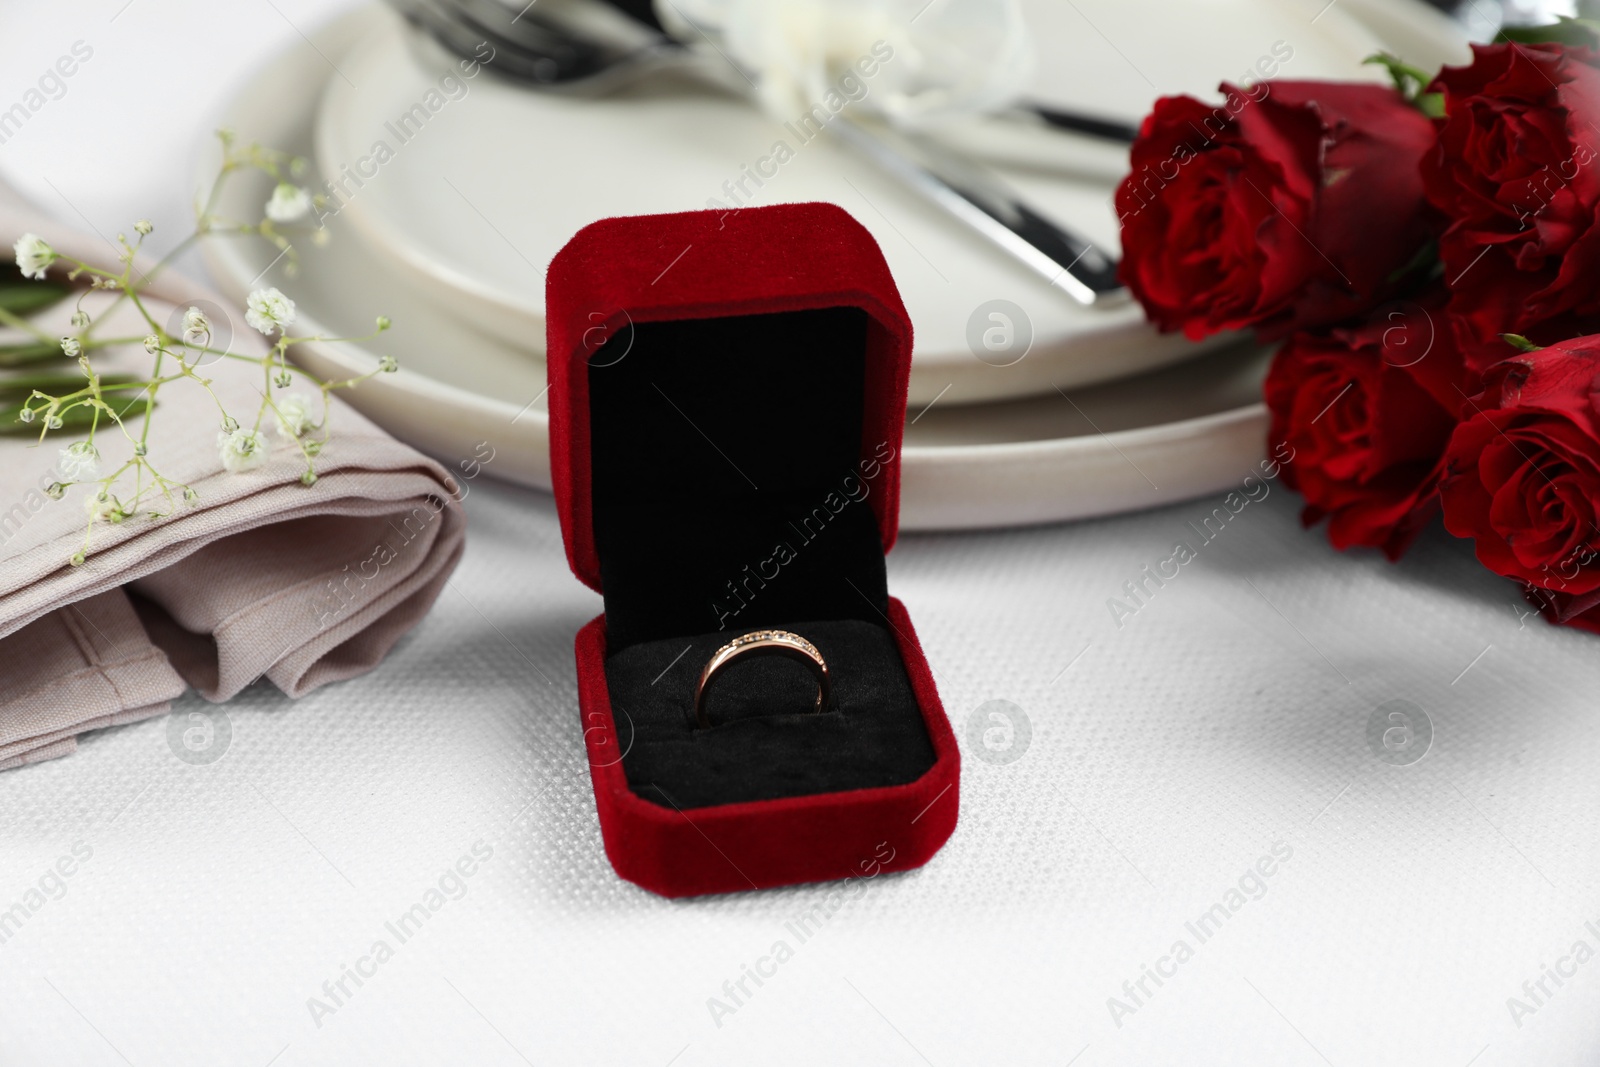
(1429, 256)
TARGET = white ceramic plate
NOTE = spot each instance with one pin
(476, 201)
(1171, 434)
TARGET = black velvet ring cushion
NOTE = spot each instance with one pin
(730, 488)
(765, 740)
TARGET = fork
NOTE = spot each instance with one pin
(591, 49)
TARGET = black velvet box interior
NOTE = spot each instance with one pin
(730, 488)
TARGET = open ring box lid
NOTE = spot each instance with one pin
(727, 396)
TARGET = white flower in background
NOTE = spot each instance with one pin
(269, 310)
(242, 449)
(926, 61)
(80, 461)
(152, 344)
(70, 347)
(294, 414)
(143, 227)
(289, 202)
(196, 328)
(33, 255)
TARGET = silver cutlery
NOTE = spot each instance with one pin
(589, 48)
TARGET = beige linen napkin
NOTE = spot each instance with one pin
(260, 576)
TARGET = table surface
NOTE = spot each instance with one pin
(1425, 912)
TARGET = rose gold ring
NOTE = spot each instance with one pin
(782, 642)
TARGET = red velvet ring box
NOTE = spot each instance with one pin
(727, 395)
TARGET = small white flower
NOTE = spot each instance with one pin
(33, 255)
(80, 461)
(196, 328)
(80, 319)
(289, 202)
(152, 344)
(143, 227)
(268, 311)
(294, 414)
(70, 347)
(102, 507)
(242, 449)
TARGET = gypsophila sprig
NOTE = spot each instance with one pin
(242, 450)
(124, 404)
(289, 203)
(33, 256)
(79, 462)
(196, 328)
(269, 311)
(293, 412)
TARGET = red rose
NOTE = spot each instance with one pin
(1286, 209)
(1368, 411)
(1522, 476)
(1516, 172)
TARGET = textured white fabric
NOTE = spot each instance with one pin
(217, 898)
(1163, 763)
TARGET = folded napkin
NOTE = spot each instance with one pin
(259, 576)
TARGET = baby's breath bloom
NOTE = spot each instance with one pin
(33, 255)
(196, 328)
(70, 347)
(269, 310)
(80, 319)
(80, 461)
(143, 227)
(289, 202)
(152, 344)
(102, 507)
(294, 414)
(242, 449)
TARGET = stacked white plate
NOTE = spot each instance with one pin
(447, 219)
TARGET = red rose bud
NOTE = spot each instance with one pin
(1516, 172)
(1522, 476)
(1368, 411)
(1289, 206)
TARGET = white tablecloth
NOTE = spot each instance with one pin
(158, 911)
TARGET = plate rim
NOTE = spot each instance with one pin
(227, 265)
